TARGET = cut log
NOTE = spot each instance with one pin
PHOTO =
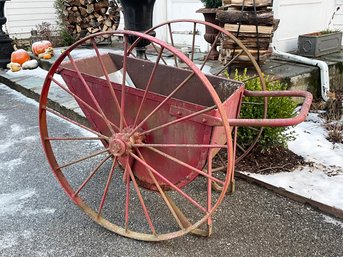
(85, 17)
(90, 8)
(233, 28)
(262, 43)
(108, 22)
(247, 18)
(251, 2)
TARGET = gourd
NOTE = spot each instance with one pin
(40, 46)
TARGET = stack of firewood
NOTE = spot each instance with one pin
(253, 23)
(85, 17)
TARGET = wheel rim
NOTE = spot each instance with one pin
(91, 175)
(194, 26)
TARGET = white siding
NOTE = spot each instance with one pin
(338, 18)
(24, 15)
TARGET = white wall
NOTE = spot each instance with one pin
(166, 10)
(338, 18)
(301, 17)
(24, 15)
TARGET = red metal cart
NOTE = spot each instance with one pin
(147, 136)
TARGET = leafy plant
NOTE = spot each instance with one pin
(252, 108)
(212, 3)
(45, 31)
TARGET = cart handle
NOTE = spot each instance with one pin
(276, 122)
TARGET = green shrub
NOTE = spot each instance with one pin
(212, 3)
(252, 108)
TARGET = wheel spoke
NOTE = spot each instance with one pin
(82, 101)
(73, 138)
(123, 87)
(209, 188)
(163, 194)
(103, 67)
(152, 76)
(109, 179)
(252, 103)
(82, 159)
(193, 41)
(179, 145)
(127, 196)
(187, 165)
(141, 200)
(209, 52)
(90, 93)
(92, 173)
(163, 102)
(251, 78)
(241, 147)
(190, 199)
(172, 42)
(179, 120)
(74, 122)
(155, 47)
(229, 63)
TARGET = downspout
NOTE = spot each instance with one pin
(324, 69)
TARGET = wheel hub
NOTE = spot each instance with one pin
(117, 147)
(122, 143)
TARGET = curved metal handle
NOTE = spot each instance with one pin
(276, 122)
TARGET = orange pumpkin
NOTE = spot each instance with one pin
(40, 46)
(20, 56)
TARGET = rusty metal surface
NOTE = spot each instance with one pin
(187, 132)
(168, 77)
(300, 117)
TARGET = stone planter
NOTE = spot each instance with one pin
(317, 44)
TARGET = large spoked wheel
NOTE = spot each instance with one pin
(138, 156)
(172, 31)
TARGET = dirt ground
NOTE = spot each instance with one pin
(276, 160)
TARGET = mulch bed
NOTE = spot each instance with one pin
(276, 160)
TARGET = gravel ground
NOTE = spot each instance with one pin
(37, 218)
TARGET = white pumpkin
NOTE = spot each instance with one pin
(29, 65)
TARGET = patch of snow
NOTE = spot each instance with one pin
(333, 221)
(17, 95)
(2, 120)
(322, 179)
(13, 203)
(310, 182)
(11, 165)
(311, 143)
(16, 129)
(8, 240)
(30, 138)
(5, 145)
(38, 72)
(12, 239)
(39, 211)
